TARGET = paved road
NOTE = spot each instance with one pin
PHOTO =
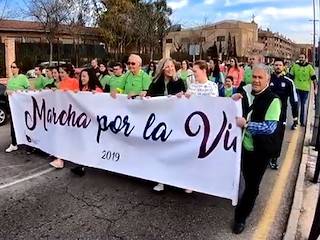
(37, 203)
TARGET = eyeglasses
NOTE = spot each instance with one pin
(13, 67)
(131, 63)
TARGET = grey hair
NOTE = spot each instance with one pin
(263, 67)
(136, 57)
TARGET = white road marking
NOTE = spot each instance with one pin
(26, 178)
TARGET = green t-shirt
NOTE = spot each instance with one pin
(116, 82)
(104, 80)
(272, 114)
(184, 75)
(228, 92)
(302, 76)
(20, 82)
(247, 75)
(42, 82)
(136, 83)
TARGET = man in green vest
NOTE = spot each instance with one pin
(303, 75)
(260, 140)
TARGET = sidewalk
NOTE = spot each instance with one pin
(306, 192)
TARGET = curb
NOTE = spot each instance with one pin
(297, 205)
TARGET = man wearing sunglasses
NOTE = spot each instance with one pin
(136, 80)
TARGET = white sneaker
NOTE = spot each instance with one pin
(11, 148)
(159, 187)
(188, 191)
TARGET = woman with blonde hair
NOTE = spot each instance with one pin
(165, 83)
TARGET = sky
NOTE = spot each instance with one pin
(292, 18)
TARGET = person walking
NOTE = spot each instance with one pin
(236, 72)
(185, 73)
(202, 86)
(260, 122)
(284, 88)
(303, 76)
(136, 80)
(88, 82)
(227, 90)
(165, 83)
(248, 69)
(67, 83)
(16, 82)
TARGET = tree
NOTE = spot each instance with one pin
(116, 24)
(229, 46)
(136, 22)
(51, 14)
(213, 51)
(78, 18)
(234, 47)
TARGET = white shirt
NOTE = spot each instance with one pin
(204, 89)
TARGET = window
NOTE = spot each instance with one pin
(221, 38)
(169, 40)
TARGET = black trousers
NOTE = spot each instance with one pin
(253, 167)
(281, 131)
(13, 134)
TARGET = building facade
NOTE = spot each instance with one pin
(275, 45)
(15, 33)
(230, 38)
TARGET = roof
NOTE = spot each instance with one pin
(29, 26)
(218, 23)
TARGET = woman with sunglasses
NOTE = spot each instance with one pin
(16, 82)
(67, 83)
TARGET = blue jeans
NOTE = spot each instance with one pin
(302, 96)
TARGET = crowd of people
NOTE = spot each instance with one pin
(264, 91)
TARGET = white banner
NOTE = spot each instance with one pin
(189, 143)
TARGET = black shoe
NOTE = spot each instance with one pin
(294, 126)
(238, 227)
(302, 125)
(78, 171)
(274, 164)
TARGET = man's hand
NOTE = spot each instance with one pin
(143, 94)
(187, 95)
(113, 93)
(236, 96)
(179, 94)
(241, 122)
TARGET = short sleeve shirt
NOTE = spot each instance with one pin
(302, 76)
(204, 89)
(19, 82)
(134, 84)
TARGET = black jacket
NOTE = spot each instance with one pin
(284, 87)
(267, 145)
(157, 88)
